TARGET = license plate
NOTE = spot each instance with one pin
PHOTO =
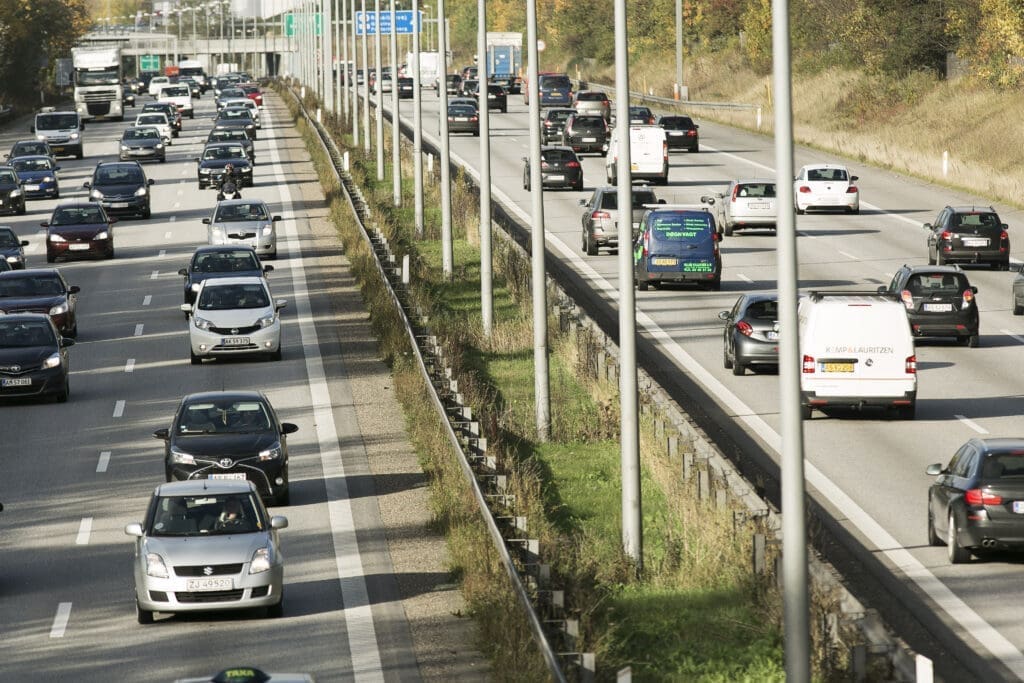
(937, 308)
(17, 382)
(1018, 507)
(461, 119)
(229, 475)
(492, 97)
(771, 335)
(31, 188)
(759, 205)
(837, 367)
(589, 139)
(674, 133)
(78, 247)
(210, 584)
(556, 177)
(234, 341)
(119, 205)
(664, 261)
(975, 241)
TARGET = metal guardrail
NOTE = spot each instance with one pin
(667, 101)
(464, 435)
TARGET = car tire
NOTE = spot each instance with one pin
(1016, 307)
(642, 285)
(805, 412)
(728, 230)
(56, 194)
(933, 538)
(111, 253)
(143, 616)
(578, 186)
(79, 155)
(738, 368)
(275, 355)
(22, 209)
(283, 499)
(954, 551)
(973, 341)
(194, 359)
(163, 159)
(799, 211)
(73, 332)
(147, 213)
(591, 246)
(62, 395)
(715, 285)
(50, 258)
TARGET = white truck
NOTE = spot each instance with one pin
(97, 80)
(431, 68)
(195, 69)
(648, 154)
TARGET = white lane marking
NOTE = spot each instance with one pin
(743, 277)
(972, 424)
(84, 530)
(129, 365)
(138, 329)
(807, 235)
(991, 639)
(154, 275)
(60, 620)
(104, 461)
(177, 205)
(162, 253)
(119, 408)
(147, 300)
(847, 254)
(1016, 337)
(360, 629)
(171, 220)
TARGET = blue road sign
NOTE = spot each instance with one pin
(366, 23)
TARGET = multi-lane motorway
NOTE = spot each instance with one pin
(867, 470)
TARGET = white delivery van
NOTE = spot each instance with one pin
(857, 351)
(179, 95)
(648, 154)
(155, 83)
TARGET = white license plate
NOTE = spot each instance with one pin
(119, 205)
(17, 382)
(31, 188)
(210, 584)
(771, 335)
(937, 308)
(240, 476)
(78, 247)
(492, 97)
(589, 139)
(234, 341)
(759, 205)
(556, 177)
(674, 133)
(974, 242)
(1018, 507)
(461, 119)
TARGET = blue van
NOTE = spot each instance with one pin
(677, 246)
(554, 90)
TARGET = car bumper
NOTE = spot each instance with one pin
(844, 202)
(944, 325)
(754, 352)
(972, 256)
(211, 344)
(172, 594)
(560, 179)
(270, 482)
(11, 206)
(867, 399)
(39, 383)
(262, 246)
(142, 154)
(682, 142)
(463, 128)
(44, 190)
(71, 249)
(578, 145)
(65, 149)
(131, 206)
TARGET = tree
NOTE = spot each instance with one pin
(32, 34)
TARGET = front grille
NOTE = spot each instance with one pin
(235, 330)
(210, 596)
(9, 370)
(118, 197)
(215, 569)
(27, 309)
(91, 96)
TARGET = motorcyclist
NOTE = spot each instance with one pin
(228, 183)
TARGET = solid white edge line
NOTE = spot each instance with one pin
(84, 530)
(60, 620)
(119, 408)
(1016, 337)
(103, 462)
(949, 602)
(356, 610)
(972, 424)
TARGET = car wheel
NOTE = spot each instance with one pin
(799, 211)
(110, 253)
(642, 285)
(50, 258)
(284, 498)
(933, 538)
(1004, 265)
(163, 159)
(79, 155)
(591, 246)
(805, 412)
(931, 259)
(147, 212)
(22, 209)
(728, 229)
(275, 355)
(56, 194)
(973, 341)
(195, 360)
(738, 368)
(578, 186)
(62, 395)
(726, 361)
(1017, 308)
(144, 616)
(715, 285)
(73, 332)
(956, 553)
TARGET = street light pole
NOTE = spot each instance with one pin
(417, 120)
(396, 121)
(486, 261)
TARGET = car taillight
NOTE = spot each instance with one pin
(968, 298)
(647, 242)
(547, 124)
(735, 191)
(851, 189)
(473, 118)
(691, 133)
(946, 235)
(908, 299)
(1003, 236)
(664, 150)
(804, 189)
(744, 328)
(597, 215)
(910, 367)
(573, 164)
(808, 366)
(545, 164)
(981, 497)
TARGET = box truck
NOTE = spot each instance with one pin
(97, 81)
(505, 59)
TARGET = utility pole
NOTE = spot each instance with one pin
(417, 106)
(379, 118)
(486, 259)
(396, 122)
(447, 247)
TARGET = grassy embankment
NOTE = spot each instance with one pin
(696, 613)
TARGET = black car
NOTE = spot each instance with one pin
(463, 118)
(12, 249)
(173, 115)
(586, 133)
(751, 335)
(968, 234)
(940, 302)
(23, 148)
(12, 196)
(452, 84)
(976, 504)
(41, 290)
(553, 122)
(239, 136)
(406, 88)
(559, 167)
(143, 142)
(229, 435)
(497, 98)
(79, 228)
(237, 119)
(680, 133)
(213, 261)
(194, 88)
(121, 187)
(33, 357)
(217, 155)
(641, 116)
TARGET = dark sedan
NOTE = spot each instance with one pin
(552, 123)
(41, 290)
(680, 133)
(12, 197)
(141, 142)
(586, 133)
(751, 335)
(79, 229)
(33, 357)
(12, 249)
(216, 156)
(229, 435)
(976, 504)
(406, 88)
(38, 175)
(641, 116)
(559, 167)
(940, 302)
(239, 136)
(121, 187)
(463, 118)
(238, 119)
(220, 261)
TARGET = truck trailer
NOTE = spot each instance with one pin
(97, 80)
(505, 59)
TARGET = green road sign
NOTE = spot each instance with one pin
(149, 63)
(300, 23)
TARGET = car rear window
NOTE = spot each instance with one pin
(681, 226)
(677, 122)
(827, 174)
(461, 110)
(610, 200)
(588, 121)
(559, 116)
(1003, 465)
(763, 310)
(926, 284)
(988, 220)
(590, 97)
(558, 155)
(553, 82)
(756, 190)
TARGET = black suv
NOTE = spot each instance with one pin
(680, 133)
(121, 187)
(552, 123)
(940, 302)
(968, 234)
(586, 133)
(497, 98)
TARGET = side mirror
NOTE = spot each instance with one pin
(280, 303)
(206, 221)
(67, 341)
(278, 522)
(853, 177)
(74, 289)
(150, 182)
(185, 308)
(56, 168)
(723, 315)
(974, 289)
(581, 202)
(44, 224)
(24, 243)
(133, 529)
(289, 428)
(111, 221)
(162, 433)
(1004, 226)
(86, 184)
(183, 272)
(275, 219)
(927, 226)
(882, 290)
(661, 201)
(268, 268)
(933, 469)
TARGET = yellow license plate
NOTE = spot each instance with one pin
(663, 261)
(838, 367)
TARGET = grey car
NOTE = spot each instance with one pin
(244, 222)
(1017, 302)
(751, 335)
(593, 102)
(142, 142)
(601, 216)
(207, 545)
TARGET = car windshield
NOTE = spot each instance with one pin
(233, 297)
(118, 176)
(142, 134)
(639, 112)
(224, 416)
(176, 91)
(224, 152)
(56, 121)
(560, 115)
(827, 174)
(8, 177)
(17, 334)
(588, 121)
(225, 262)
(206, 515)
(23, 148)
(35, 285)
(8, 239)
(152, 120)
(231, 92)
(590, 97)
(77, 215)
(31, 164)
(225, 135)
(228, 213)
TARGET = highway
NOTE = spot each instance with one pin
(76, 473)
(867, 470)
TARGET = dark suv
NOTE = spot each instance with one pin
(552, 123)
(601, 216)
(586, 133)
(968, 234)
(940, 302)
(680, 133)
(121, 187)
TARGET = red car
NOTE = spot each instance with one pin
(79, 228)
(41, 290)
(253, 93)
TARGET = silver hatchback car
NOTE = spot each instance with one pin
(747, 204)
(244, 221)
(207, 545)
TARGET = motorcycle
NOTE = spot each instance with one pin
(228, 189)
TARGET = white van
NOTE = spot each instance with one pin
(155, 83)
(857, 351)
(648, 154)
(178, 94)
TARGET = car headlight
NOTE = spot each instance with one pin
(272, 453)
(267, 320)
(48, 179)
(201, 323)
(59, 308)
(124, 148)
(205, 171)
(246, 170)
(56, 238)
(260, 561)
(15, 258)
(52, 362)
(249, 126)
(155, 566)
(74, 136)
(141, 192)
(41, 137)
(102, 235)
(96, 194)
(158, 145)
(15, 193)
(268, 229)
(179, 457)
(216, 229)
(195, 286)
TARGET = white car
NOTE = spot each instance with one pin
(156, 83)
(156, 120)
(748, 204)
(180, 95)
(244, 103)
(234, 316)
(825, 186)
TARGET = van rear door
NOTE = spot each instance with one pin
(681, 242)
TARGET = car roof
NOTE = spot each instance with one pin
(972, 209)
(201, 486)
(239, 394)
(132, 164)
(208, 248)
(75, 204)
(15, 317)
(233, 202)
(237, 280)
(28, 272)
(999, 442)
(813, 166)
(752, 181)
(47, 157)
